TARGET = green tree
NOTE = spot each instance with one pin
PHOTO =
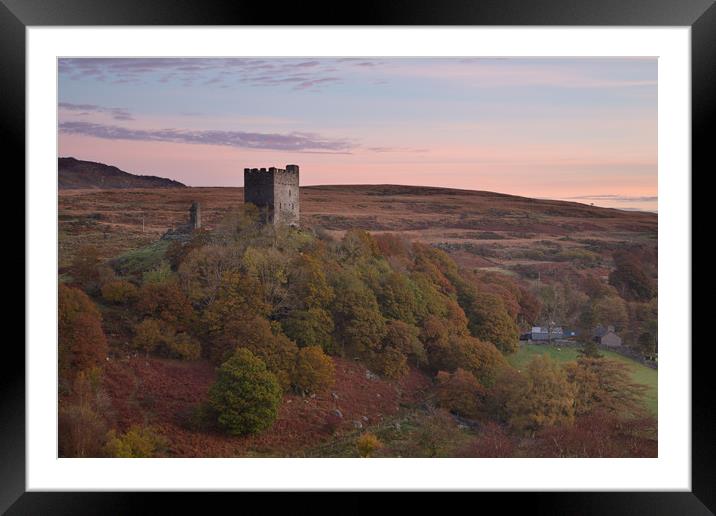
(245, 396)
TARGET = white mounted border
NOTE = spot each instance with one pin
(671, 471)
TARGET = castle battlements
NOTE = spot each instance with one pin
(275, 192)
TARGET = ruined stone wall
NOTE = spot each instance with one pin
(195, 215)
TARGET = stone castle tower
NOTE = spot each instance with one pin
(275, 192)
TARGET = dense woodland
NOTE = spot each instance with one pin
(273, 308)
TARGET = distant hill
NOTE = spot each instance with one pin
(77, 174)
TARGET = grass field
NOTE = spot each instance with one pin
(640, 373)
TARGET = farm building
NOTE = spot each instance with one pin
(607, 337)
(546, 333)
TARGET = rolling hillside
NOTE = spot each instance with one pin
(77, 174)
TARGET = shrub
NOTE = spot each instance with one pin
(245, 395)
(162, 273)
(368, 444)
(119, 292)
(314, 370)
(493, 441)
(332, 423)
(185, 347)
(137, 442)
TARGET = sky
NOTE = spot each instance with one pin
(580, 129)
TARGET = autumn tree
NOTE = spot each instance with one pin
(459, 392)
(202, 270)
(390, 362)
(546, 399)
(530, 306)
(269, 266)
(148, 335)
(166, 301)
(237, 315)
(398, 298)
(277, 351)
(358, 245)
(309, 287)
(404, 338)
(630, 277)
(610, 311)
(314, 370)
(312, 327)
(82, 343)
(604, 385)
(359, 323)
(490, 321)
(245, 395)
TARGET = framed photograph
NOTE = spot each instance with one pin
(416, 250)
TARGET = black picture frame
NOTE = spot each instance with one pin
(17, 15)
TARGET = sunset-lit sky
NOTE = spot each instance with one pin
(578, 129)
